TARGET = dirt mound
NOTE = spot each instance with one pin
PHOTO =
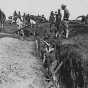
(79, 44)
(19, 68)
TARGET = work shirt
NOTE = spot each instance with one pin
(66, 14)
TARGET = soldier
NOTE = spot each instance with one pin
(23, 17)
(66, 12)
(19, 15)
(43, 18)
(51, 19)
(2, 18)
(65, 20)
(27, 18)
(58, 20)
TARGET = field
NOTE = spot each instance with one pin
(19, 68)
(78, 35)
(19, 65)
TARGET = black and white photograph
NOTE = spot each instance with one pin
(43, 43)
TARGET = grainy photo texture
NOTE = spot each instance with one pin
(43, 44)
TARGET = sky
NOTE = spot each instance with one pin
(76, 7)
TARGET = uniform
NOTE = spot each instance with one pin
(51, 19)
(66, 14)
(65, 19)
(58, 20)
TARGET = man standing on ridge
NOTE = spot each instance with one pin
(51, 20)
(58, 20)
(66, 12)
(65, 19)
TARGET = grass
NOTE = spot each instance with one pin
(78, 36)
(77, 43)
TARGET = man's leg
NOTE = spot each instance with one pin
(67, 30)
(67, 33)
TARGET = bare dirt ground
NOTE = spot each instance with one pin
(19, 68)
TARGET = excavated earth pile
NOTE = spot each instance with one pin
(19, 68)
(77, 47)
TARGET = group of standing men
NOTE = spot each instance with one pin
(57, 18)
